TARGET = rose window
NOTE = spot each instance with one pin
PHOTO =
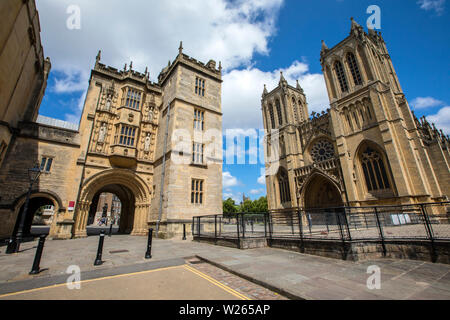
(322, 150)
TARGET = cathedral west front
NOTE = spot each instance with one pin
(367, 149)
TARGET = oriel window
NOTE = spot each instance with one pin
(133, 99)
(125, 136)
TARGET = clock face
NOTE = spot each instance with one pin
(322, 151)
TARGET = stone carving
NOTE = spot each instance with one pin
(108, 104)
(102, 134)
(147, 143)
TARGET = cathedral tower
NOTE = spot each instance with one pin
(381, 145)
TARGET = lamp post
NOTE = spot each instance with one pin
(14, 244)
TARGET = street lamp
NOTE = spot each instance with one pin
(14, 244)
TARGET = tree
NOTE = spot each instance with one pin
(229, 206)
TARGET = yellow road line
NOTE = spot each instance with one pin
(217, 283)
(87, 281)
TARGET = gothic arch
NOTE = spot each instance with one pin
(320, 191)
(137, 202)
(379, 174)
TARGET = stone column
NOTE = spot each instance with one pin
(140, 217)
(81, 220)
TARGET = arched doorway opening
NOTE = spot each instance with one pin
(113, 204)
(132, 192)
(39, 216)
(320, 192)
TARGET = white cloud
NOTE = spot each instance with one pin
(242, 90)
(425, 102)
(228, 180)
(436, 5)
(442, 119)
(257, 191)
(149, 32)
(262, 180)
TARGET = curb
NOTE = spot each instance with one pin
(281, 291)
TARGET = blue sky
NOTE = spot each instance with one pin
(255, 40)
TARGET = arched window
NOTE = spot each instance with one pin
(283, 183)
(374, 170)
(341, 76)
(351, 60)
(280, 116)
(294, 108)
(272, 117)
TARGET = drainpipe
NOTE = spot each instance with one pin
(161, 195)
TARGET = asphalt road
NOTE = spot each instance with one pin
(169, 283)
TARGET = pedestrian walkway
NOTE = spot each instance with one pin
(294, 275)
(301, 276)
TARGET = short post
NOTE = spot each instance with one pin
(300, 228)
(37, 258)
(98, 260)
(184, 231)
(148, 254)
(238, 232)
(380, 230)
(110, 229)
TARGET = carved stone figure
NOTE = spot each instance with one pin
(147, 143)
(108, 104)
(102, 134)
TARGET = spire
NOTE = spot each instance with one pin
(324, 46)
(265, 90)
(356, 27)
(282, 79)
(299, 87)
(131, 65)
(125, 67)
(220, 66)
(180, 49)
(99, 56)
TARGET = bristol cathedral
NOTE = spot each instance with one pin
(367, 149)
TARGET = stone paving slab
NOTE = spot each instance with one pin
(318, 278)
(295, 275)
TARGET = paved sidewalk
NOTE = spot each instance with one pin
(310, 277)
(292, 274)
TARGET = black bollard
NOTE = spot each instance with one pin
(184, 232)
(37, 258)
(12, 246)
(110, 229)
(98, 260)
(148, 254)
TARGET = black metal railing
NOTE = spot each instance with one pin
(425, 221)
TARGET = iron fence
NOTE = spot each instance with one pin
(426, 221)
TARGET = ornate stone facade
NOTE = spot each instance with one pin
(367, 149)
(126, 145)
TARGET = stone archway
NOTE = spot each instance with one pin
(321, 192)
(38, 199)
(131, 190)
